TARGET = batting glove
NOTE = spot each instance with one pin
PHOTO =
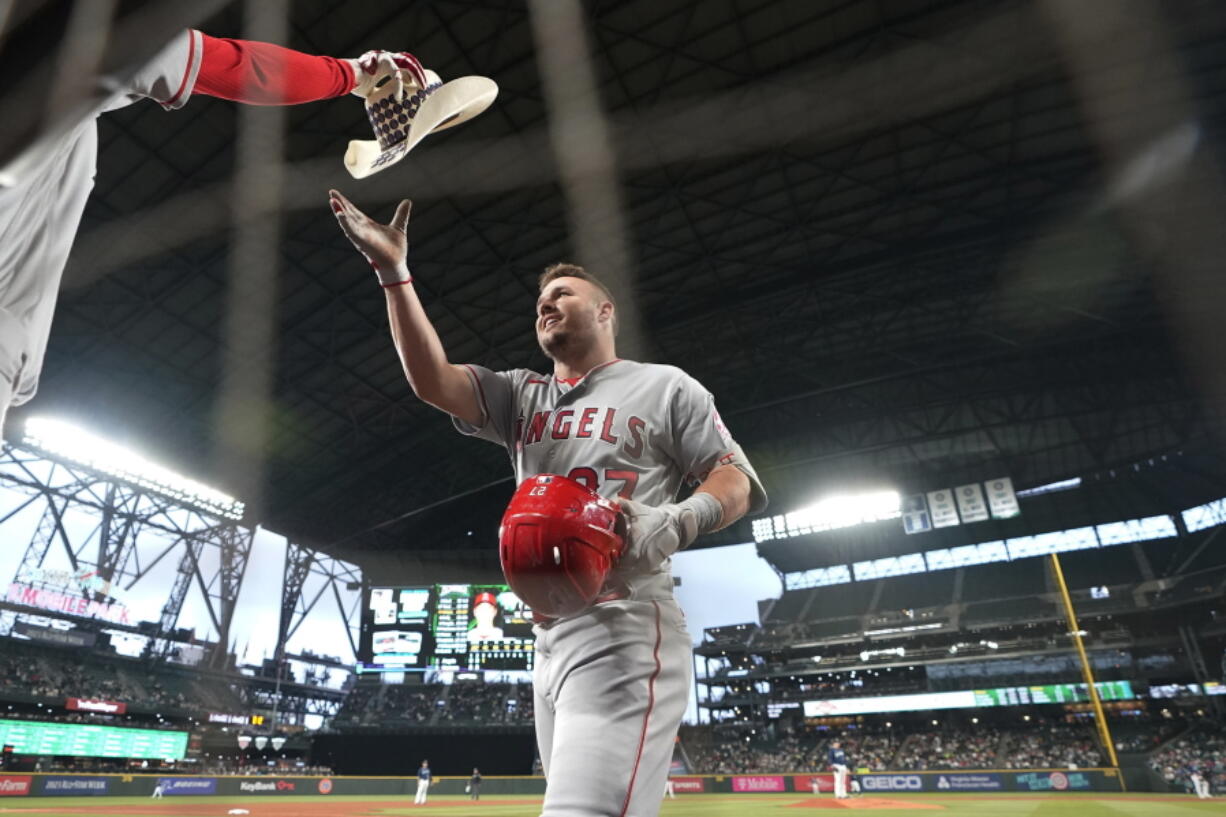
(371, 68)
(652, 534)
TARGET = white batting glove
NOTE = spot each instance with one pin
(370, 69)
(652, 534)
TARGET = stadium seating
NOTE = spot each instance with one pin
(1203, 748)
(1042, 745)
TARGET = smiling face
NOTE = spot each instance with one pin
(570, 314)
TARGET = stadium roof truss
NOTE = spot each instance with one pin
(134, 530)
(905, 243)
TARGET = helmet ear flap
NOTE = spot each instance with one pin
(558, 544)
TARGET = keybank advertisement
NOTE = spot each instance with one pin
(76, 785)
(188, 785)
(1053, 781)
(270, 787)
(891, 782)
(970, 782)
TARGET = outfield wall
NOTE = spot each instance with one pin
(944, 782)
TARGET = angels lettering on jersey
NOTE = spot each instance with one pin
(592, 422)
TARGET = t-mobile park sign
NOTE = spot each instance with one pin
(73, 605)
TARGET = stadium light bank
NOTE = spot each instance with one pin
(69, 442)
(832, 513)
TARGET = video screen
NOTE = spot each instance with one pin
(461, 627)
(84, 740)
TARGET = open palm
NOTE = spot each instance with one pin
(386, 246)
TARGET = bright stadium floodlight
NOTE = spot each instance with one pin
(73, 443)
(831, 513)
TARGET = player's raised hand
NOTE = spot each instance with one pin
(386, 246)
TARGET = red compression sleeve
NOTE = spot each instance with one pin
(266, 74)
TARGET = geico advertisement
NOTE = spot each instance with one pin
(891, 782)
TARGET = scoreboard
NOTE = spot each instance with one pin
(462, 627)
(80, 740)
(1053, 694)
(968, 699)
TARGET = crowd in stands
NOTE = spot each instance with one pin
(1045, 746)
(793, 752)
(28, 672)
(489, 704)
(1203, 750)
(214, 766)
(238, 767)
(1146, 739)
(1050, 747)
(433, 704)
(950, 750)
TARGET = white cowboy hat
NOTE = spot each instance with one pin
(400, 125)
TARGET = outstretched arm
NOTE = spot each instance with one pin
(259, 73)
(386, 247)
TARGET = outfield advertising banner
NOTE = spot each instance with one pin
(806, 782)
(758, 783)
(14, 785)
(188, 785)
(76, 786)
(688, 785)
(970, 782)
(1053, 781)
(891, 782)
(277, 786)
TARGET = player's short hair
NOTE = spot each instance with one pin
(565, 270)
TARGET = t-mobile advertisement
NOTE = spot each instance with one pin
(758, 783)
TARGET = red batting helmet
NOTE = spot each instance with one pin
(557, 544)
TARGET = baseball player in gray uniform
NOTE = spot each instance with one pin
(611, 683)
(43, 189)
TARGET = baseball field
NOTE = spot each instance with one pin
(701, 805)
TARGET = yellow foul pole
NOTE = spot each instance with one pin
(1104, 731)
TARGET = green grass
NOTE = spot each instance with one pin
(691, 805)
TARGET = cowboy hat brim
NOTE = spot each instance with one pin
(453, 103)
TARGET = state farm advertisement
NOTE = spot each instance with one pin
(814, 783)
(14, 785)
(758, 783)
(688, 785)
(90, 705)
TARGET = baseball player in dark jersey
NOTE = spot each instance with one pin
(611, 683)
(837, 759)
(424, 777)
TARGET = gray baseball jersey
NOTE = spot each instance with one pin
(42, 195)
(626, 429)
(611, 684)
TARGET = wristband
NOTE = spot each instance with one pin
(707, 510)
(397, 276)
